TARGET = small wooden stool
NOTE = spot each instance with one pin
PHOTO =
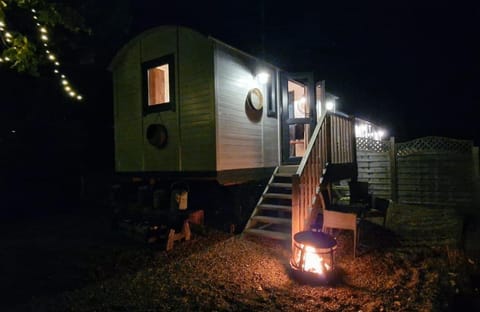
(172, 236)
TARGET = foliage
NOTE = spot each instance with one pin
(20, 45)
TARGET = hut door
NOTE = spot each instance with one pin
(298, 115)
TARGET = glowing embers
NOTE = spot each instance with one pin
(313, 257)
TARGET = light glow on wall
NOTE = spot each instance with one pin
(364, 129)
(263, 77)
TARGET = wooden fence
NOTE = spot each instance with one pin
(375, 166)
(432, 171)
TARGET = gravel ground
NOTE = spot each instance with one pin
(220, 272)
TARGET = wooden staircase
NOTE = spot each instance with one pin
(272, 217)
(289, 203)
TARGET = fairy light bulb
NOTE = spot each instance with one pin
(42, 31)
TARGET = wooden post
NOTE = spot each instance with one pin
(393, 170)
(354, 147)
(328, 131)
(295, 205)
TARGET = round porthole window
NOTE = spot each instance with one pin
(255, 99)
(157, 135)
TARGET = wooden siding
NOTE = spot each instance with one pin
(196, 102)
(241, 143)
(128, 112)
(154, 45)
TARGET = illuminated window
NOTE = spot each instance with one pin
(158, 84)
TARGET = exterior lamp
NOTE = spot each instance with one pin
(330, 105)
(263, 77)
(380, 134)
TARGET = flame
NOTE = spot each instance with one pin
(312, 262)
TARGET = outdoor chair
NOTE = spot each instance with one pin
(379, 209)
(359, 194)
(339, 217)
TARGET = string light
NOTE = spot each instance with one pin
(43, 31)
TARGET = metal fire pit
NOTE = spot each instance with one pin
(313, 257)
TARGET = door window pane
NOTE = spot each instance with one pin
(298, 139)
(298, 106)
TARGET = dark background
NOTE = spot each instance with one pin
(410, 67)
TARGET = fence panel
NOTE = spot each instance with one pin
(374, 166)
(435, 171)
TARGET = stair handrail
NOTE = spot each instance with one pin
(332, 141)
(311, 143)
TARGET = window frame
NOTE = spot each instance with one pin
(271, 89)
(170, 105)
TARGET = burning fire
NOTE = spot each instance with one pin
(314, 263)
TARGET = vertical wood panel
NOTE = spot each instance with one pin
(197, 113)
(244, 140)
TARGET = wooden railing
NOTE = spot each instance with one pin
(332, 141)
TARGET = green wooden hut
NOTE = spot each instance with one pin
(192, 106)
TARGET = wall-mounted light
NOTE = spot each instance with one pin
(263, 77)
(330, 105)
(380, 134)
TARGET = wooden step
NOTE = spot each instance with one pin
(282, 185)
(291, 169)
(277, 195)
(269, 234)
(275, 207)
(283, 175)
(272, 220)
